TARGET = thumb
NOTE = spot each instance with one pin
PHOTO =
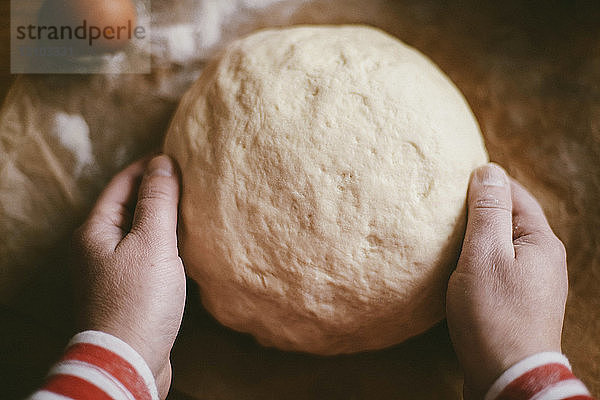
(158, 196)
(489, 213)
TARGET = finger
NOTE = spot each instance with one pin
(112, 213)
(489, 212)
(155, 214)
(530, 225)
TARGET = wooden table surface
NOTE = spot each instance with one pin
(531, 72)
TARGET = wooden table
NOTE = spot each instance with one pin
(531, 72)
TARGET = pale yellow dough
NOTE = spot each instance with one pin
(325, 172)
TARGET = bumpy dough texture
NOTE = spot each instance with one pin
(325, 172)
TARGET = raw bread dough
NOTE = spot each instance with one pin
(325, 172)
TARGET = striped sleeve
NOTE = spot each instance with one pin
(98, 366)
(543, 376)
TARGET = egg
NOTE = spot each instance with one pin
(107, 25)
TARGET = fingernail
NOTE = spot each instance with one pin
(160, 166)
(492, 175)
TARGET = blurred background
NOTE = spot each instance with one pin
(530, 71)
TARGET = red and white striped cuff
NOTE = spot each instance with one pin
(542, 376)
(98, 366)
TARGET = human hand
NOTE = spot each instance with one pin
(131, 281)
(506, 298)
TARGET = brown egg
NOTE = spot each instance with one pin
(108, 24)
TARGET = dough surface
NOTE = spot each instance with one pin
(324, 173)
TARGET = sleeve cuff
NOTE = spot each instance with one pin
(102, 366)
(541, 376)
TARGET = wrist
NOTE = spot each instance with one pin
(156, 363)
(522, 367)
(545, 375)
(102, 362)
(485, 368)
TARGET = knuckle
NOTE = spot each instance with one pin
(81, 237)
(156, 190)
(77, 235)
(555, 246)
(491, 203)
(84, 244)
(483, 258)
(146, 236)
(560, 246)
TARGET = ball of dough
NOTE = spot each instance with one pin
(324, 176)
